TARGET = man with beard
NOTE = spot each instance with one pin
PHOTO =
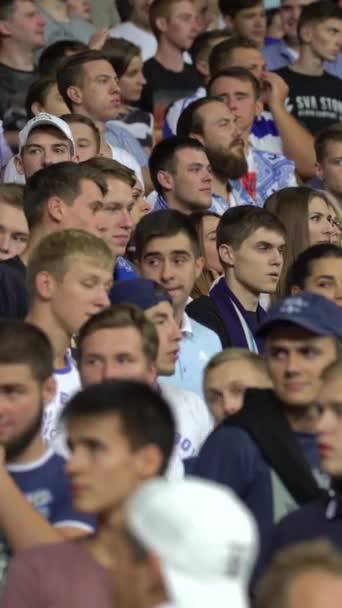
(35, 504)
(212, 123)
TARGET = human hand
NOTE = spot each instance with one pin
(274, 89)
(98, 39)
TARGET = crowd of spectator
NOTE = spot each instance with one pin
(170, 303)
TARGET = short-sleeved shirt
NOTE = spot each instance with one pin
(45, 485)
(315, 101)
(14, 87)
(60, 575)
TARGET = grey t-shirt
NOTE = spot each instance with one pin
(75, 29)
(14, 87)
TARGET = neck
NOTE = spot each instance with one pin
(142, 26)
(174, 203)
(41, 316)
(220, 186)
(308, 63)
(302, 419)
(34, 451)
(292, 43)
(102, 544)
(17, 57)
(248, 299)
(56, 8)
(179, 314)
(169, 56)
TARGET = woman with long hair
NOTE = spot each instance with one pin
(306, 215)
(126, 60)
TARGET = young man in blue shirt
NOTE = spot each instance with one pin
(35, 500)
(267, 452)
(167, 252)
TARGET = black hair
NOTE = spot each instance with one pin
(163, 156)
(54, 54)
(330, 133)
(26, 344)
(317, 12)
(164, 224)
(144, 415)
(38, 92)
(203, 43)
(238, 223)
(301, 268)
(190, 120)
(232, 7)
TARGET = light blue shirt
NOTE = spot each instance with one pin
(197, 346)
(119, 137)
(279, 55)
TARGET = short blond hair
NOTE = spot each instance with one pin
(12, 195)
(54, 253)
(237, 354)
(318, 555)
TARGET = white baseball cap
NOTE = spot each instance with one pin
(43, 118)
(205, 538)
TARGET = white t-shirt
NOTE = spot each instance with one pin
(193, 420)
(68, 383)
(129, 31)
(125, 158)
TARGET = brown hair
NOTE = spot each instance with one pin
(161, 8)
(112, 168)
(26, 344)
(120, 316)
(120, 53)
(73, 117)
(291, 206)
(206, 278)
(320, 556)
(12, 195)
(70, 71)
(219, 56)
(331, 133)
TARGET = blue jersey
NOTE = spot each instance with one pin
(45, 485)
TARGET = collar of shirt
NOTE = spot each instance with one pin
(186, 328)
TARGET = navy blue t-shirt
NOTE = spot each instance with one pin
(45, 485)
(231, 457)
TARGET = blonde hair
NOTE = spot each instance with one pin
(238, 354)
(54, 253)
(320, 555)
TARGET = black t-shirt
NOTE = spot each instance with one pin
(165, 86)
(316, 101)
(13, 291)
(14, 87)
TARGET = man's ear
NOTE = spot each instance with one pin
(49, 390)
(226, 255)
(55, 208)
(259, 106)
(37, 107)
(148, 461)
(5, 29)
(75, 94)
(18, 163)
(199, 138)
(44, 285)
(199, 264)
(319, 170)
(161, 24)
(165, 179)
(306, 33)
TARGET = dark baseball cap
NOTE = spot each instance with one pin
(308, 310)
(144, 293)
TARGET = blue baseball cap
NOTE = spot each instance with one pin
(144, 293)
(308, 310)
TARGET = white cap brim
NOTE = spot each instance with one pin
(189, 591)
(25, 133)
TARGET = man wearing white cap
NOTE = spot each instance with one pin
(176, 553)
(45, 140)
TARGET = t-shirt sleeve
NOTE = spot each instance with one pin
(64, 515)
(228, 457)
(22, 588)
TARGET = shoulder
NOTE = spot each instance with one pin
(202, 331)
(202, 303)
